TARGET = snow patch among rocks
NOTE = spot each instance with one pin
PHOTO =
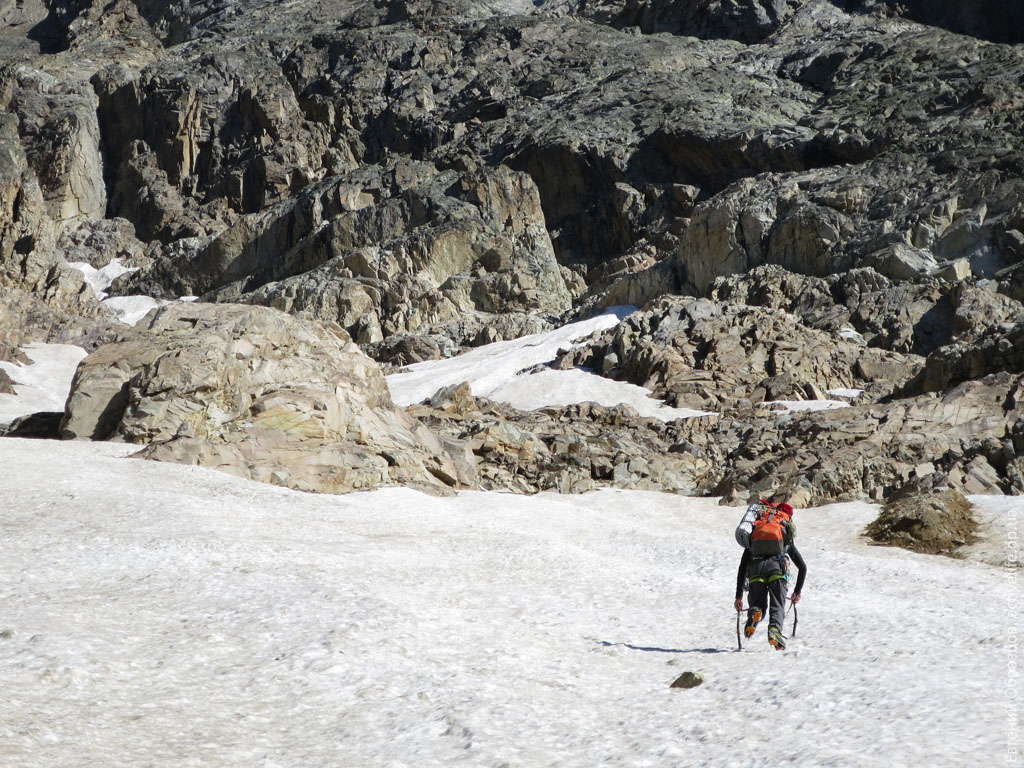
(101, 279)
(42, 385)
(506, 372)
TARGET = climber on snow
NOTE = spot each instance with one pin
(766, 533)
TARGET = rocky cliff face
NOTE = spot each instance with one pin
(805, 195)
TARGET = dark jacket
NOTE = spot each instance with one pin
(794, 555)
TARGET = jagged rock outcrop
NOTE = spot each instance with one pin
(382, 251)
(247, 103)
(823, 223)
(446, 339)
(60, 133)
(910, 317)
(988, 19)
(748, 21)
(569, 449)
(968, 439)
(799, 151)
(256, 393)
(733, 359)
(1000, 348)
(723, 356)
(98, 242)
(241, 111)
(41, 298)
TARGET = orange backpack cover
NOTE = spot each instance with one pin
(771, 533)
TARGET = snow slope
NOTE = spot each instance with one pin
(161, 615)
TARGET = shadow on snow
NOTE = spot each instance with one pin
(651, 649)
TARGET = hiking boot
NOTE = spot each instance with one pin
(752, 618)
(776, 638)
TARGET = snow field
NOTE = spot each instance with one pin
(160, 615)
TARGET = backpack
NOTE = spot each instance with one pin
(769, 535)
(765, 528)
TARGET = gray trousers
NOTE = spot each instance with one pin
(758, 595)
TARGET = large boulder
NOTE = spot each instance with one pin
(256, 393)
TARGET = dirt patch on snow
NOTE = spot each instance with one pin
(937, 523)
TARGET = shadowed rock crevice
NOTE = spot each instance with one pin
(993, 20)
(747, 21)
(52, 33)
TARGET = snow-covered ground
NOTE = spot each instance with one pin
(162, 615)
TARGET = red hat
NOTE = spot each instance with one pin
(784, 507)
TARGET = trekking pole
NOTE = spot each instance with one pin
(739, 642)
(796, 618)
